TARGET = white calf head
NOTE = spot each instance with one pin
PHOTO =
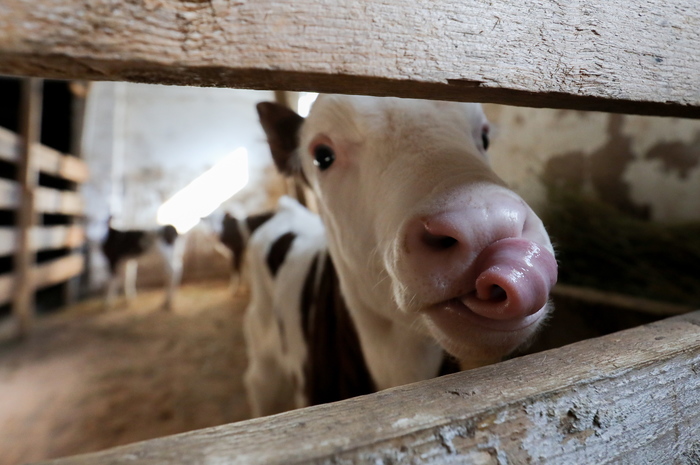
(420, 228)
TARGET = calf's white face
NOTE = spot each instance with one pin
(422, 231)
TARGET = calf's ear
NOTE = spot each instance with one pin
(281, 125)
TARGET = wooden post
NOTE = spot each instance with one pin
(79, 92)
(27, 178)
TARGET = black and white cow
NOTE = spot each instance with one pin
(234, 233)
(123, 247)
(421, 242)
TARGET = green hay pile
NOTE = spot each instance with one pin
(600, 247)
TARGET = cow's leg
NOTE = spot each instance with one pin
(172, 255)
(174, 275)
(130, 271)
(112, 289)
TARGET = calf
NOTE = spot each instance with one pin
(302, 344)
(122, 248)
(235, 234)
(432, 251)
(301, 341)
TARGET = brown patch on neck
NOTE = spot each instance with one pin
(335, 368)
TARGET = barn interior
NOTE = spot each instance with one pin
(620, 195)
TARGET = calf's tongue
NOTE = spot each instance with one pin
(514, 277)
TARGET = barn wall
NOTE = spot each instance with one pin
(647, 166)
(144, 143)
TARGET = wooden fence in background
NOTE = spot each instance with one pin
(28, 236)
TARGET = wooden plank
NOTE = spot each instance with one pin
(46, 274)
(47, 200)
(7, 283)
(59, 202)
(44, 238)
(635, 57)
(629, 397)
(65, 166)
(9, 194)
(58, 237)
(27, 180)
(48, 160)
(58, 271)
(9, 145)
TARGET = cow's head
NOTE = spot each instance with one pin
(420, 228)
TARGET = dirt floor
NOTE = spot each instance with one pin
(90, 379)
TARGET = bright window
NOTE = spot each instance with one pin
(205, 193)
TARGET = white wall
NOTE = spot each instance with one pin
(143, 143)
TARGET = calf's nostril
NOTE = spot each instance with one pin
(438, 242)
(497, 294)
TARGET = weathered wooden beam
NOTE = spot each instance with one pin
(44, 238)
(636, 57)
(46, 199)
(48, 160)
(43, 275)
(629, 397)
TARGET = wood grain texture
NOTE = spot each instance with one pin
(637, 57)
(632, 397)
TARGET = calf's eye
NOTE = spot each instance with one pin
(485, 140)
(324, 156)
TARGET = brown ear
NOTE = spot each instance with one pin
(281, 125)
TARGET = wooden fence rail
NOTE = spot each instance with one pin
(48, 160)
(627, 398)
(639, 56)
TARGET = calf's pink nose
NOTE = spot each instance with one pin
(514, 278)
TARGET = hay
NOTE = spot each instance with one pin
(601, 247)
